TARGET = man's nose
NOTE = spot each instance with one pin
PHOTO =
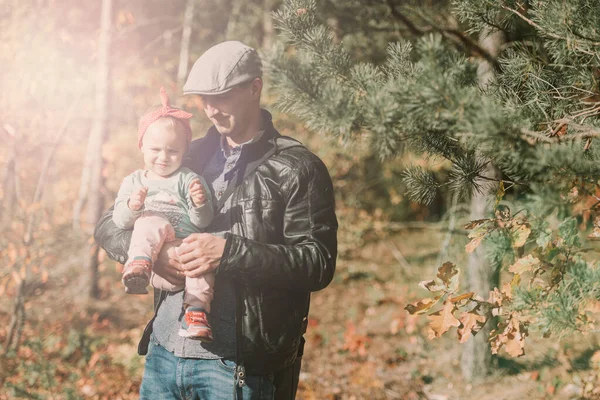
(210, 109)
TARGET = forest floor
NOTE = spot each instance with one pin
(361, 344)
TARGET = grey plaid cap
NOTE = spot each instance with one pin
(222, 67)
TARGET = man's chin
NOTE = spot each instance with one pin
(224, 131)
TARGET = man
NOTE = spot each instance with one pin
(271, 243)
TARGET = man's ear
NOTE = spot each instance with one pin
(257, 85)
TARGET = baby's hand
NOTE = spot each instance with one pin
(136, 200)
(197, 193)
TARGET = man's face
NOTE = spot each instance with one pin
(230, 111)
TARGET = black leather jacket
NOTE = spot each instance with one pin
(284, 248)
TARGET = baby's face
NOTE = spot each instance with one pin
(163, 150)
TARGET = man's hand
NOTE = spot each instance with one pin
(197, 193)
(200, 253)
(137, 197)
(167, 264)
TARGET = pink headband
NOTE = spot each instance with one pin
(165, 111)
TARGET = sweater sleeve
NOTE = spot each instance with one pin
(123, 216)
(201, 216)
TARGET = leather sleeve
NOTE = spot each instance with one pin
(306, 260)
(113, 240)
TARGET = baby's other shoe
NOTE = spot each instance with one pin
(195, 325)
(136, 275)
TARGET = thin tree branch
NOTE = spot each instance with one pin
(586, 132)
(460, 37)
(539, 28)
(415, 30)
(452, 34)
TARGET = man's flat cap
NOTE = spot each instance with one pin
(222, 67)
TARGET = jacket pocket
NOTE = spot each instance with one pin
(280, 321)
(263, 220)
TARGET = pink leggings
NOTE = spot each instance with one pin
(150, 231)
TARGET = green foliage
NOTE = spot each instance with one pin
(536, 122)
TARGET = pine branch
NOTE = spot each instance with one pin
(585, 132)
(414, 29)
(452, 34)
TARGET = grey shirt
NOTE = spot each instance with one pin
(222, 317)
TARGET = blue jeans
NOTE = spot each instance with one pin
(167, 376)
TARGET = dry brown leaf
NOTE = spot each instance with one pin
(473, 244)
(524, 264)
(495, 298)
(507, 290)
(441, 321)
(573, 194)
(512, 338)
(421, 306)
(520, 235)
(432, 286)
(462, 297)
(595, 235)
(471, 323)
(354, 342)
(447, 272)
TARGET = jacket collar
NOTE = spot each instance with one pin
(205, 147)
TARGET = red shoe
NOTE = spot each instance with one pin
(136, 275)
(195, 325)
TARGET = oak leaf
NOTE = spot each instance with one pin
(524, 264)
(432, 286)
(507, 290)
(471, 323)
(441, 321)
(447, 272)
(481, 230)
(421, 306)
(512, 337)
(515, 339)
(495, 298)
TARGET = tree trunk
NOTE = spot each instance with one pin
(95, 203)
(476, 360)
(9, 198)
(10, 178)
(232, 23)
(268, 31)
(184, 52)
